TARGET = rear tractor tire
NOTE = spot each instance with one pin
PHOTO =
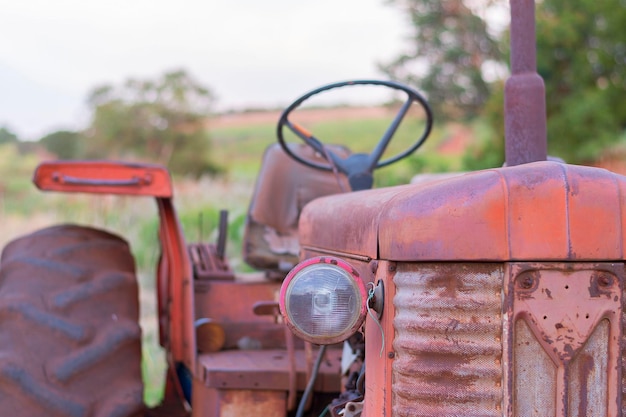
(70, 342)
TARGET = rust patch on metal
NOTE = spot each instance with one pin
(586, 369)
(497, 215)
(104, 177)
(600, 284)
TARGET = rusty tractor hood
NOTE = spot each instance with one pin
(538, 211)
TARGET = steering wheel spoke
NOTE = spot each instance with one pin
(358, 165)
(391, 130)
(304, 134)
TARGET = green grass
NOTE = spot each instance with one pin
(241, 147)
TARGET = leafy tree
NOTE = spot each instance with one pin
(450, 46)
(64, 144)
(581, 54)
(7, 136)
(487, 150)
(161, 120)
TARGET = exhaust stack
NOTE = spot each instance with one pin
(524, 93)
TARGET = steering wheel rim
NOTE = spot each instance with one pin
(412, 94)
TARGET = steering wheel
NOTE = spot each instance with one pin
(358, 167)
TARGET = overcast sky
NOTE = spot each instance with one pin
(249, 52)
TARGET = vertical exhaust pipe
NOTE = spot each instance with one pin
(524, 92)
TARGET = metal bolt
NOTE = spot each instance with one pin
(391, 268)
(526, 282)
(391, 355)
(605, 280)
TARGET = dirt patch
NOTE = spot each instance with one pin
(303, 116)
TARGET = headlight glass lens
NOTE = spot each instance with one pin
(322, 301)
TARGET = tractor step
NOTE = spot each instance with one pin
(260, 369)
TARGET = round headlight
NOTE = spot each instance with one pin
(323, 300)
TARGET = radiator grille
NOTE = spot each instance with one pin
(535, 392)
(448, 346)
(622, 385)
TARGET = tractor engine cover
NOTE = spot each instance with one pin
(503, 290)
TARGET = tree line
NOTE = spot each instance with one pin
(162, 121)
(581, 55)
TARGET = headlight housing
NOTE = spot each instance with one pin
(323, 300)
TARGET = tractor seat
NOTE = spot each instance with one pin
(282, 189)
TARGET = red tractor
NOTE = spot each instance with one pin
(491, 293)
